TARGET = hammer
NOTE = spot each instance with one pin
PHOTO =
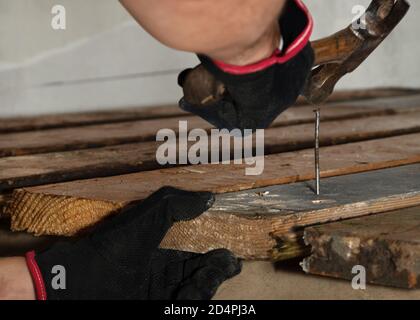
(335, 56)
(344, 51)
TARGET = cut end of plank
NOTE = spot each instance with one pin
(247, 238)
(37, 213)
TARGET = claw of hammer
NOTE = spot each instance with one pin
(344, 51)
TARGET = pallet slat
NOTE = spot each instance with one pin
(46, 168)
(54, 121)
(72, 206)
(258, 223)
(54, 140)
(20, 124)
(61, 209)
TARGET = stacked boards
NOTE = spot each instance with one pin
(61, 180)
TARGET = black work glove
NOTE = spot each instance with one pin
(251, 97)
(121, 259)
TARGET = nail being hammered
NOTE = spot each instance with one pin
(317, 170)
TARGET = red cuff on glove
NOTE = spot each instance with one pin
(278, 56)
(41, 293)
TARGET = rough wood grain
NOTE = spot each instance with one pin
(411, 101)
(54, 140)
(23, 171)
(67, 208)
(258, 204)
(53, 121)
(260, 223)
(373, 93)
(45, 168)
(20, 124)
(387, 245)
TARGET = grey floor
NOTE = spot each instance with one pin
(263, 280)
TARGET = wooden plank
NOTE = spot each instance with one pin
(20, 124)
(54, 140)
(374, 93)
(23, 171)
(260, 223)
(410, 101)
(42, 122)
(23, 143)
(255, 224)
(66, 208)
(386, 245)
(281, 211)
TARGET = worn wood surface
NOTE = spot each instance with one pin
(373, 93)
(406, 101)
(19, 124)
(387, 245)
(260, 223)
(24, 143)
(66, 208)
(22, 171)
(91, 146)
(42, 122)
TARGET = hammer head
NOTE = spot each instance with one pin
(358, 41)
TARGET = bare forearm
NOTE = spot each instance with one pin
(15, 280)
(235, 31)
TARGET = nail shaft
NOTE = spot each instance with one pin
(317, 170)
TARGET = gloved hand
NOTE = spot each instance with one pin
(121, 259)
(251, 97)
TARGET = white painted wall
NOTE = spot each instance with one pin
(104, 60)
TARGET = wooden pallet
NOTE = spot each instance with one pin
(101, 162)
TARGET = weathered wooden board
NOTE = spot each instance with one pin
(23, 171)
(42, 122)
(385, 102)
(24, 143)
(386, 245)
(259, 223)
(373, 93)
(66, 208)
(19, 124)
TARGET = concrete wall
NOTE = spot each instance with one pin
(104, 60)
(25, 25)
